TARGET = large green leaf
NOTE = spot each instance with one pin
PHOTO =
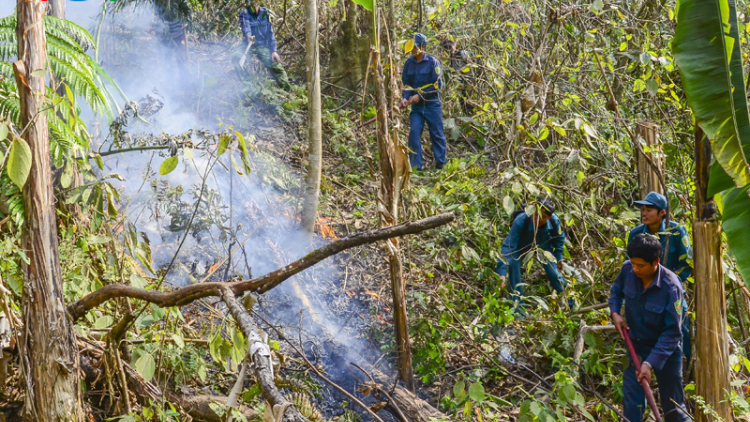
(367, 4)
(736, 220)
(707, 49)
(19, 162)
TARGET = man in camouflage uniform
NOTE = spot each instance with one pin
(256, 28)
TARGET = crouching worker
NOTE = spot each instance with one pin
(653, 311)
(542, 229)
(256, 28)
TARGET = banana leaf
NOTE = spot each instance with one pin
(707, 49)
(736, 219)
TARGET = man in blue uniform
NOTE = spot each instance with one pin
(653, 212)
(541, 229)
(422, 83)
(256, 28)
(653, 312)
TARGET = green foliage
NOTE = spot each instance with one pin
(707, 49)
(735, 217)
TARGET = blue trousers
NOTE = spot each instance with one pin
(430, 112)
(670, 388)
(556, 279)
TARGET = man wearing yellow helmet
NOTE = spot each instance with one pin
(422, 78)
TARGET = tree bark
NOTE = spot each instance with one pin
(314, 131)
(394, 174)
(57, 8)
(648, 179)
(49, 353)
(711, 344)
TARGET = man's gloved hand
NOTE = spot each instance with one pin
(275, 57)
(249, 38)
(619, 323)
(560, 265)
(503, 281)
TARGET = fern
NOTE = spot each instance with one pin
(11, 196)
(293, 384)
(303, 404)
(66, 51)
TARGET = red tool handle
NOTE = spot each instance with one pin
(375, 118)
(637, 362)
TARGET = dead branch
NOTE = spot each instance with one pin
(260, 354)
(414, 408)
(587, 329)
(592, 308)
(186, 295)
(391, 402)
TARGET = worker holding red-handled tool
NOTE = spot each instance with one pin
(653, 309)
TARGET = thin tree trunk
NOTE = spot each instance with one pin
(711, 344)
(314, 131)
(49, 353)
(394, 174)
(648, 179)
(57, 8)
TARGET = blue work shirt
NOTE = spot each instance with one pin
(259, 26)
(679, 247)
(421, 77)
(521, 239)
(654, 315)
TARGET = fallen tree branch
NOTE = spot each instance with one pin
(391, 402)
(186, 295)
(587, 329)
(414, 408)
(592, 308)
(260, 354)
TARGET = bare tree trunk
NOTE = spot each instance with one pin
(57, 8)
(711, 344)
(394, 174)
(49, 353)
(648, 179)
(314, 131)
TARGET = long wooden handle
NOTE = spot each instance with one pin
(637, 362)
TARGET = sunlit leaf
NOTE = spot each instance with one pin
(19, 162)
(409, 46)
(168, 165)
